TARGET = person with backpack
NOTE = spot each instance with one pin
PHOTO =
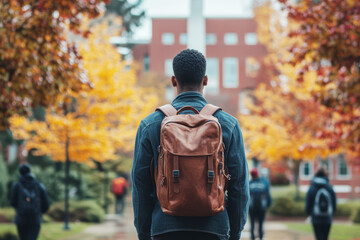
(260, 200)
(30, 199)
(119, 187)
(320, 204)
(190, 175)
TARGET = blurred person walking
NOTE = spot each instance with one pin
(260, 200)
(320, 204)
(183, 153)
(119, 187)
(30, 199)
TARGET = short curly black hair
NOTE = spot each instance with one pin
(189, 68)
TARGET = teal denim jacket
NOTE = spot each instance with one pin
(149, 219)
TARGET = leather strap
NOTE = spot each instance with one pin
(176, 174)
(188, 108)
(168, 110)
(209, 109)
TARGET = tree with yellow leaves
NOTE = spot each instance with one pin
(284, 119)
(96, 124)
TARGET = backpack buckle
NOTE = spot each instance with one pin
(211, 176)
(176, 175)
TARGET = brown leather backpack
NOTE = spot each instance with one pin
(190, 175)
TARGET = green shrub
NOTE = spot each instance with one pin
(46, 218)
(284, 206)
(85, 211)
(8, 236)
(343, 210)
(355, 216)
(279, 179)
(7, 214)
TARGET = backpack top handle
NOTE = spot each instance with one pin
(169, 110)
(187, 108)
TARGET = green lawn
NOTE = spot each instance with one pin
(50, 231)
(338, 231)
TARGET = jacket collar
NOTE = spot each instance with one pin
(189, 97)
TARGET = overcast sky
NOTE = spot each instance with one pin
(181, 8)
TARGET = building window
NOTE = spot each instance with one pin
(169, 93)
(243, 98)
(210, 39)
(342, 171)
(168, 67)
(252, 67)
(230, 39)
(212, 71)
(167, 38)
(251, 39)
(230, 72)
(146, 63)
(183, 39)
(306, 170)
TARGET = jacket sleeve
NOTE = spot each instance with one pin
(309, 201)
(14, 194)
(238, 187)
(142, 186)
(45, 203)
(268, 195)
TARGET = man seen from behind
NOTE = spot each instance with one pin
(161, 168)
(30, 199)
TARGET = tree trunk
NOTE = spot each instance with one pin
(296, 169)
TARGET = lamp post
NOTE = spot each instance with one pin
(67, 170)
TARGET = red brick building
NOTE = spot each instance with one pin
(344, 177)
(234, 56)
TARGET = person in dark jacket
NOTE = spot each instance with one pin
(30, 199)
(320, 204)
(150, 221)
(260, 200)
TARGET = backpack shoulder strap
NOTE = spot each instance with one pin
(168, 110)
(209, 109)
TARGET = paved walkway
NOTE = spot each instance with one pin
(122, 228)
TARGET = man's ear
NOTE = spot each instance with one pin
(205, 80)
(174, 81)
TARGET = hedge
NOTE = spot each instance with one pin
(84, 211)
(355, 216)
(284, 206)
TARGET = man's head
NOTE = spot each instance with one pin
(189, 68)
(322, 172)
(24, 169)
(254, 173)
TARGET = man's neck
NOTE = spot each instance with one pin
(179, 91)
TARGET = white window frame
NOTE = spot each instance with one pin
(249, 38)
(168, 69)
(168, 38)
(183, 38)
(342, 177)
(224, 75)
(169, 93)
(209, 40)
(229, 40)
(302, 172)
(213, 81)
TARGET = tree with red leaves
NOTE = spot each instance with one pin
(330, 34)
(37, 63)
